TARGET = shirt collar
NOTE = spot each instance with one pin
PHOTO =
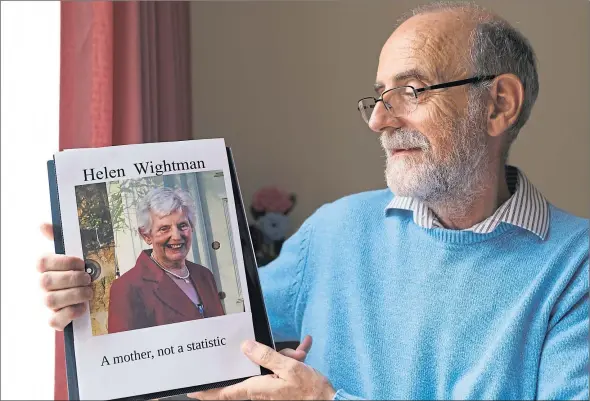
(527, 208)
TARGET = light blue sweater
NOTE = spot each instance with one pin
(401, 312)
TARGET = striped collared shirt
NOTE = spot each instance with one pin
(527, 208)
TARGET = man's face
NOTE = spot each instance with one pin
(445, 136)
(170, 237)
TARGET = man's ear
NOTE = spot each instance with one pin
(506, 98)
(146, 237)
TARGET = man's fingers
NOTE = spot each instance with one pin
(267, 357)
(298, 355)
(301, 352)
(47, 231)
(57, 300)
(305, 345)
(64, 316)
(60, 280)
(53, 262)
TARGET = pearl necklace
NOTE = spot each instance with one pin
(185, 278)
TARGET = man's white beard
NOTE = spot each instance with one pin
(452, 181)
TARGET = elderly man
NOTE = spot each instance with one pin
(460, 281)
(163, 287)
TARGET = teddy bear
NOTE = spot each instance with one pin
(270, 209)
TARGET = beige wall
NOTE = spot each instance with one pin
(280, 81)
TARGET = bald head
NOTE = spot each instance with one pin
(454, 40)
(440, 39)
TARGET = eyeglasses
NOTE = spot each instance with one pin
(403, 100)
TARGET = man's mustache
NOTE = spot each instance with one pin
(404, 139)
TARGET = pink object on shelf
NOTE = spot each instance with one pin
(272, 199)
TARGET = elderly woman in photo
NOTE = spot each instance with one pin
(163, 287)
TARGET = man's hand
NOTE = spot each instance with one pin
(301, 352)
(65, 283)
(292, 380)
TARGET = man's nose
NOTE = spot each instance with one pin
(381, 118)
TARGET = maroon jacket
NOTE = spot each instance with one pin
(145, 296)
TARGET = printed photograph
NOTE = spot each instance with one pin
(160, 250)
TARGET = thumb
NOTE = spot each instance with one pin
(47, 230)
(265, 356)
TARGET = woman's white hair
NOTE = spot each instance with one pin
(163, 201)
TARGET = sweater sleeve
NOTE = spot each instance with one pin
(281, 281)
(563, 368)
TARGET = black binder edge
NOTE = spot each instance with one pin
(262, 330)
(58, 243)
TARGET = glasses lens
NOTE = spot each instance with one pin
(399, 102)
(366, 107)
(402, 101)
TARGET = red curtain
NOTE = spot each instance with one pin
(125, 78)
